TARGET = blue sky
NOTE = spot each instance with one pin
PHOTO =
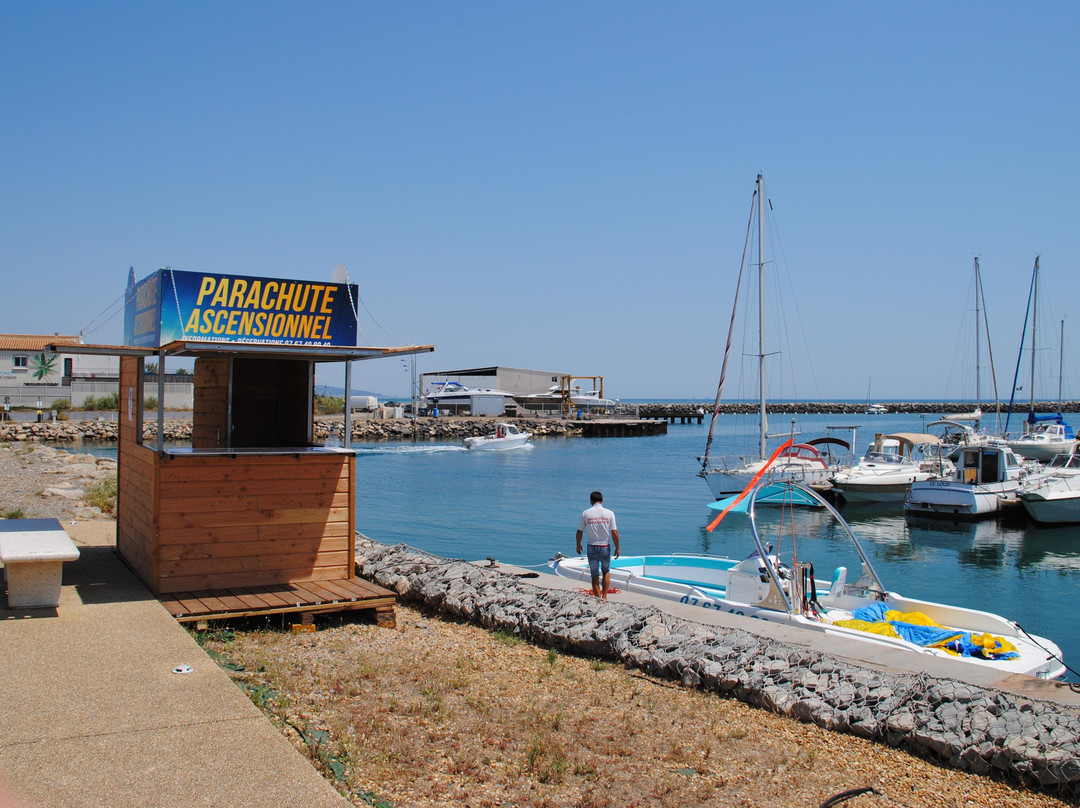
(561, 186)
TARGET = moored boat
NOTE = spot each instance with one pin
(890, 466)
(802, 462)
(987, 476)
(780, 586)
(1053, 497)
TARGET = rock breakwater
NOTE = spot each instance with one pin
(970, 728)
(661, 410)
(179, 430)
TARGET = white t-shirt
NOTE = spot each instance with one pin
(597, 523)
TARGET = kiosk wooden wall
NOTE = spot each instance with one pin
(215, 519)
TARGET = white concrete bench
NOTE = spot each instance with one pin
(34, 552)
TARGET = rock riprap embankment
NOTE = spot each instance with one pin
(973, 729)
(179, 430)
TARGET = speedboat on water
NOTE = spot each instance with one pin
(986, 477)
(506, 436)
(1053, 497)
(778, 584)
(890, 466)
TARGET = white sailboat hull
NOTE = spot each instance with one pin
(725, 482)
(1041, 450)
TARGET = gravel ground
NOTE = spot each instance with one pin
(38, 482)
(437, 713)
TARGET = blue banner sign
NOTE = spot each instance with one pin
(171, 305)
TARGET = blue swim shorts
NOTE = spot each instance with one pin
(599, 559)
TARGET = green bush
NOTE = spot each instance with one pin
(102, 494)
(60, 405)
(109, 402)
(329, 405)
(150, 403)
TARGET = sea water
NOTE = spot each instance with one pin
(522, 507)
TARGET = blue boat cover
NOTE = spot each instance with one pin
(769, 494)
(918, 629)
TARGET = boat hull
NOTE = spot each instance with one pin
(1043, 451)
(724, 482)
(873, 491)
(949, 499)
(1055, 501)
(486, 444)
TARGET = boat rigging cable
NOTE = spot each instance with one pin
(980, 299)
(731, 327)
(1020, 353)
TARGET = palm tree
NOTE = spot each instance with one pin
(43, 366)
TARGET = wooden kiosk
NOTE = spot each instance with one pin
(253, 517)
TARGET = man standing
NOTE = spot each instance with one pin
(599, 523)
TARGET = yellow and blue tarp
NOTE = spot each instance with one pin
(917, 628)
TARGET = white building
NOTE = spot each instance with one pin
(32, 376)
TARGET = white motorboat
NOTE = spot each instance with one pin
(451, 396)
(770, 584)
(506, 436)
(890, 466)
(1053, 497)
(801, 462)
(591, 401)
(558, 396)
(986, 476)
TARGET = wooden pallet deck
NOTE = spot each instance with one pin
(306, 598)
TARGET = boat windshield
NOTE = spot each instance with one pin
(1065, 461)
(883, 457)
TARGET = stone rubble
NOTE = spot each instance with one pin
(973, 729)
(179, 430)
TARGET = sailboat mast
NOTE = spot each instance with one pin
(1061, 359)
(978, 374)
(1034, 323)
(761, 316)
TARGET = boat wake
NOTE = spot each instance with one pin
(408, 450)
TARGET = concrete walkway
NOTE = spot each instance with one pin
(94, 716)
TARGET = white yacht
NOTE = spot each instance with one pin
(888, 469)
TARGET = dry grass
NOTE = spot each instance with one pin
(435, 713)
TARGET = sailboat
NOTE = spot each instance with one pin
(1045, 434)
(799, 462)
(987, 473)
